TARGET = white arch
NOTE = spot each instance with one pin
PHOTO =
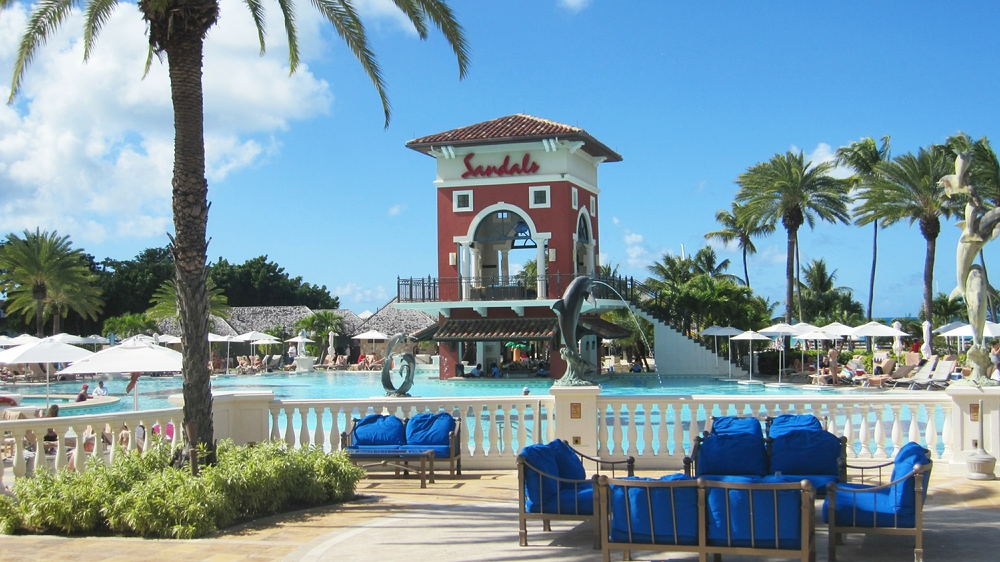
(532, 230)
(590, 224)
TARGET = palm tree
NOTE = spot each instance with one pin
(737, 226)
(704, 263)
(320, 324)
(823, 298)
(128, 325)
(909, 190)
(787, 187)
(41, 262)
(165, 305)
(84, 299)
(863, 157)
(178, 29)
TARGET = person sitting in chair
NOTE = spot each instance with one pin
(477, 371)
(495, 371)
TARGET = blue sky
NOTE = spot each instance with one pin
(691, 95)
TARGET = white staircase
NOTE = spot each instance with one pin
(676, 354)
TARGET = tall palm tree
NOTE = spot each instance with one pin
(787, 187)
(40, 262)
(178, 29)
(320, 324)
(737, 227)
(84, 299)
(704, 263)
(863, 157)
(165, 304)
(909, 190)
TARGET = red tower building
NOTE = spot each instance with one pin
(515, 185)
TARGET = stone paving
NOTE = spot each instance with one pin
(475, 518)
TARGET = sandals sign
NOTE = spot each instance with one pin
(526, 166)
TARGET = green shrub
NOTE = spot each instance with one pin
(143, 495)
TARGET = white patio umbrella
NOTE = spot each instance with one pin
(729, 332)
(97, 339)
(990, 330)
(135, 357)
(137, 339)
(45, 351)
(813, 336)
(70, 339)
(167, 339)
(371, 335)
(254, 335)
(750, 336)
(877, 330)
(837, 329)
(23, 339)
(780, 329)
(710, 331)
(947, 328)
(5, 341)
(228, 339)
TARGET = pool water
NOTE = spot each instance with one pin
(154, 391)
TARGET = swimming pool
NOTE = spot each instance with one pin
(154, 391)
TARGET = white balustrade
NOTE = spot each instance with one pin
(874, 425)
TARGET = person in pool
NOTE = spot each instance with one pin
(82, 397)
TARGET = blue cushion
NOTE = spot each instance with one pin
(570, 465)
(792, 422)
(574, 500)
(805, 452)
(819, 481)
(376, 430)
(727, 425)
(430, 429)
(732, 455)
(440, 451)
(735, 530)
(539, 490)
(909, 455)
(871, 509)
(661, 529)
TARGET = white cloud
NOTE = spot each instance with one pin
(396, 210)
(574, 5)
(636, 252)
(88, 147)
(353, 292)
(825, 153)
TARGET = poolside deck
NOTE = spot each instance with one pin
(475, 518)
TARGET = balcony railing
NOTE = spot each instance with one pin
(485, 288)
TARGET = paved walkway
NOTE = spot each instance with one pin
(475, 518)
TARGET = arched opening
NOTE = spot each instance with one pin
(584, 247)
(494, 237)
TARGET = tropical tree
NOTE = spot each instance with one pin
(945, 310)
(165, 304)
(178, 28)
(909, 190)
(738, 227)
(704, 263)
(797, 192)
(319, 325)
(42, 272)
(822, 299)
(128, 325)
(863, 157)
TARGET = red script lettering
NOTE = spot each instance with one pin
(526, 166)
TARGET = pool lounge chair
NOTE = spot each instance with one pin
(887, 368)
(939, 378)
(899, 372)
(923, 373)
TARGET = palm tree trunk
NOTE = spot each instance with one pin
(929, 278)
(56, 321)
(746, 272)
(189, 248)
(871, 280)
(798, 279)
(39, 320)
(789, 275)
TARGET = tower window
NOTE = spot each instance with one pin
(461, 201)
(576, 199)
(538, 197)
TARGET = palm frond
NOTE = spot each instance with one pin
(345, 20)
(414, 14)
(288, 13)
(442, 16)
(257, 13)
(97, 14)
(44, 21)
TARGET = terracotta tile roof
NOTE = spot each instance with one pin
(513, 128)
(504, 329)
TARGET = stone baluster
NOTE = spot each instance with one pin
(61, 459)
(602, 431)
(849, 430)
(678, 428)
(275, 434)
(522, 431)
(831, 418)
(319, 436)
(80, 454)
(99, 444)
(709, 414)
(864, 433)
(897, 426)
(494, 433)
(913, 433)
(507, 447)
(478, 442)
(632, 433)
(930, 432)
(619, 432)
(661, 431)
(946, 436)
(880, 452)
(304, 427)
(289, 429)
(550, 424)
(20, 466)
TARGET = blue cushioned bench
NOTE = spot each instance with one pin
(440, 433)
(553, 484)
(718, 515)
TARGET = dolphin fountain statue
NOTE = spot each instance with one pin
(568, 310)
(406, 370)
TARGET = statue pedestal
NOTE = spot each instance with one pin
(576, 416)
(965, 414)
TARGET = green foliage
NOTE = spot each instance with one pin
(259, 282)
(129, 285)
(144, 495)
(164, 301)
(43, 276)
(128, 325)
(823, 302)
(319, 325)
